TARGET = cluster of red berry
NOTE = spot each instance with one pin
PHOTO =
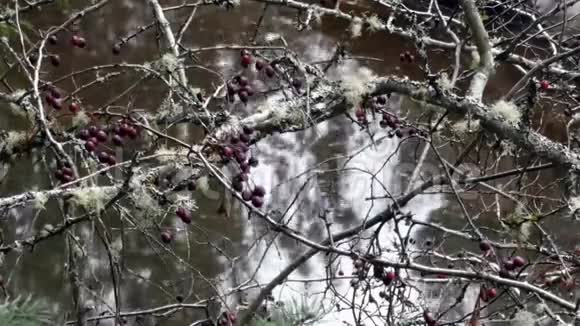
(237, 150)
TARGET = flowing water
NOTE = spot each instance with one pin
(304, 163)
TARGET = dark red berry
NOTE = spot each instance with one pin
(54, 60)
(381, 100)
(243, 81)
(509, 265)
(101, 136)
(124, 129)
(399, 133)
(228, 152)
(67, 178)
(67, 171)
(191, 185)
(246, 195)
(55, 92)
(248, 89)
(74, 107)
(519, 261)
(360, 113)
(257, 201)
(240, 156)
(49, 99)
(491, 293)
(231, 90)
(90, 146)
(259, 191)
(243, 95)
(103, 157)
(59, 175)
(243, 147)
(247, 130)
(53, 40)
(429, 319)
(116, 49)
(260, 64)
(234, 140)
(237, 184)
(245, 138)
(246, 60)
(232, 317)
(93, 131)
(390, 276)
(83, 134)
(117, 140)
(270, 71)
(296, 83)
(111, 160)
(243, 176)
(166, 236)
(245, 167)
(253, 161)
(484, 245)
(132, 132)
(184, 215)
(78, 41)
(545, 85)
(56, 104)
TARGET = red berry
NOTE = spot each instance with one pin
(360, 113)
(83, 134)
(231, 90)
(90, 146)
(429, 319)
(228, 152)
(245, 138)
(116, 49)
(232, 317)
(59, 175)
(117, 140)
(111, 160)
(67, 171)
(103, 157)
(78, 41)
(166, 237)
(270, 72)
(245, 167)
(101, 136)
(246, 195)
(237, 184)
(544, 84)
(484, 245)
(246, 60)
(184, 215)
(54, 59)
(74, 107)
(191, 185)
(257, 201)
(259, 64)
(381, 100)
(132, 132)
(519, 261)
(259, 191)
(52, 39)
(509, 265)
(296, 83)
(93, 131)
(491, 293)
(56, 104)
(247, 130)
(242, 81)
(243, 95)
(390, 276)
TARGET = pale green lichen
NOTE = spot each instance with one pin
(40, 200)
(356, 83)
(91, 197)
(170, 62)
(81, 119)
(355, 28)
(11, 140)
(374, 23)
(508, 111)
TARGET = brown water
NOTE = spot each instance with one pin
(151, 277)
